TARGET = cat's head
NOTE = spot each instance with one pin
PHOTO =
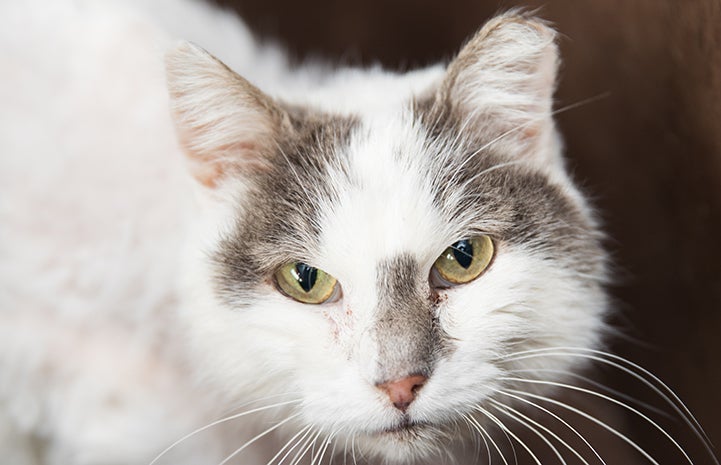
(380, 266)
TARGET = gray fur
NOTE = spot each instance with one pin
(280, 223)
(515, 204)
(406, 331)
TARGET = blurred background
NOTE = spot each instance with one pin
(649, 153)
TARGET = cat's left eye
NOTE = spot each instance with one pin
(462, 262)
(306, 284)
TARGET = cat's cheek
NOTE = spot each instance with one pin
(339, 317)
(333, 323)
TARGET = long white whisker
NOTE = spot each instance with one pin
(521, 418)
(610, 399)
(483, 431)
(335, 443)
(473, 430)
(488, 170)
(598, 355)
(304, 432)
(345, 451)
(256, 437)
(592, 382)
(536, 120)
(501, 425)
(580, 103)
(563, 109)
(591, 418)
(510, 442)
(307, 442)
(352, 450)
(535, 432)
(310, 443)
(561, 420)
(323, 450)
(217, 422)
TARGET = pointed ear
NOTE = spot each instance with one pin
(225, 124)
(503, 79)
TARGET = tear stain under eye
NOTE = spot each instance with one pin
(340, 321)
(334, 327)
(437, 298)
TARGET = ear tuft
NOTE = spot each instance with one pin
(224, 123)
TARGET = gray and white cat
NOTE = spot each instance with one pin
(352, 266)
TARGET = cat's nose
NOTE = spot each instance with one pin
(403, 391)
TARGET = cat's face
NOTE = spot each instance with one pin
(321, 267)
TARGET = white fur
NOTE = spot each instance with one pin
(112, 342)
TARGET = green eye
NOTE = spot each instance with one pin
(463, 261)
(306, 284)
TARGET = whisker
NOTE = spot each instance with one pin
(581, 103)
(592, 382)
(591, 418)
(501, 425)
(665, 392)
(597, 355)
(217, 422)
(310, 443)
(561, 420)
(352, 449)
(490, 169)
(516, 415)
(452, 145)
(345, 451)
(536, 120)
(258, 436)
(510, 442)
(476, 442)
(304, 432)
(323, 450)
(332, 451)
(483, 432)
(610, 399)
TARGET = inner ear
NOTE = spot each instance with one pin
(503, 79)
(225, 124)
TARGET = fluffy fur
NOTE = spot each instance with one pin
(137, 300)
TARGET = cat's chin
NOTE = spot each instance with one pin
(404, 443)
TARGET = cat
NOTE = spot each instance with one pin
(341, 264)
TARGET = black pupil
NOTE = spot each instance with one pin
(306, 276)
(463, 251)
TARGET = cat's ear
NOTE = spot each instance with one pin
(225, 124)
(503, 79)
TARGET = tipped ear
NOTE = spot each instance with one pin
(225, 124)
(504, 78)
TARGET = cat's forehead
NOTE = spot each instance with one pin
(387, 206)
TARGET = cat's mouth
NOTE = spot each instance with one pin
(404, 429)
(401, 441)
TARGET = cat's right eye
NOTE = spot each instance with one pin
(306, 284)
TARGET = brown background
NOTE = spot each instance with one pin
(650, 153)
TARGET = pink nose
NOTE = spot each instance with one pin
(403, 391)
